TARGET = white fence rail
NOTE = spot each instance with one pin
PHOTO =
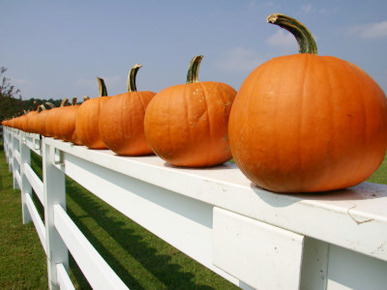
(251, 237)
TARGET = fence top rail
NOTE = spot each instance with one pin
(354, 218)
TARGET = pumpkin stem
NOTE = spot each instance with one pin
(51, 105)
(305, 40)
(131, 83)
(41, 108)
(85, 98)
(74, 101)
(102, 87)
(193, 69)
(64, 102)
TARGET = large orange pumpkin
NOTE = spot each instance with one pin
(121, 121)
(308, 123)
(186, 124)
(87, 119)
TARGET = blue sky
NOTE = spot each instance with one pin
(56, 49)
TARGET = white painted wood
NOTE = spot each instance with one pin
(261, 255)
(314, 274)
(55, 193)
(349, 270)
(93, 266)
(15, 164)
(35, 182)
(359, 212)
(38, 223)
(17, 178)
(25, 186)
(17, 157)
(64, 280)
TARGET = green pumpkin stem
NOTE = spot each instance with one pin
(131, 83)
(102, 87)
(51, 105)
(64, 102)
(193, 69)
(305, 40)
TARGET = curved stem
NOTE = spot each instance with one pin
(102, 87)
(131, 83)
(64, 102)
(41, 107)
(85, 98)
(193, 69)
(305, 40)
(51, 105)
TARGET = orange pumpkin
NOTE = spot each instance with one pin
(53, 119)
(308, 123)
(186, 124)
(66, 126)
(87, 119)
(41, 119)
(121, 121)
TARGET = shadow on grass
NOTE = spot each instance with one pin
(168, 273)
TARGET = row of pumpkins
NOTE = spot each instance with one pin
(299, 123)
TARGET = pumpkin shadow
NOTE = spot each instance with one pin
(362, 191)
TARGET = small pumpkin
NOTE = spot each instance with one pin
(186, 124)
(41, 118)
(308, 123)
(87, 119)
(121, 121)
(53, 121)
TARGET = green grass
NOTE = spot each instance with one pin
(22, 258)
(380, 175)
(142, 260)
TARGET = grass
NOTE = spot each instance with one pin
(142, 260)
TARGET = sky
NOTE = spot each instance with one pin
(57, 49)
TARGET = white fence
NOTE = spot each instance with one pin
(251, 237)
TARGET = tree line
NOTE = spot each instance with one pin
(11, 102)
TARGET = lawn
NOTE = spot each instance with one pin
(142, 260)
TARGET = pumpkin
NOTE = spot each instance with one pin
(53, 121)
(41, 118)
(308, 123)
(29, 117)
(186, 124)
(87, 119)
(66, 127)
(121, 121)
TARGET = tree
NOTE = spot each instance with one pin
(10, 98)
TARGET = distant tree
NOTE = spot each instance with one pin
(10, 99)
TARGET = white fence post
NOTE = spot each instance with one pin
(15, 165)
(25, 158)
(55, 193)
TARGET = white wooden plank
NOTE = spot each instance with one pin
(64, 280)
(17, 177)
(261, 255)
(17, 156)
(93, 266)
(34, 181)
(38, 223)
